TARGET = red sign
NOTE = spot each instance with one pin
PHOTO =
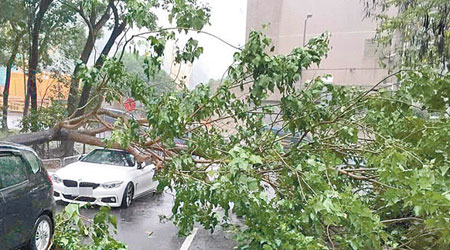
(130, 104)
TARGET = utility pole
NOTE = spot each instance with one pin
(304, 28)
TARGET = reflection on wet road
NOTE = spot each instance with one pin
(140, 227)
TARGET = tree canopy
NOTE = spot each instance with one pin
(417, 31)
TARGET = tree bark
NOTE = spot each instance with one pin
(8, 80)
(75, 82)
(30, 22)
(69, 129)
(33, 137)
(63, 134)
(27, 100)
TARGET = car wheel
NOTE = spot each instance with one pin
(156, 192)
(127, 196)
(42, 233)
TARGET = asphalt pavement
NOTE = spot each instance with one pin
(139, 227)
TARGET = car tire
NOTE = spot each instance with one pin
(156, 192)
(42, 233)
(127, 197)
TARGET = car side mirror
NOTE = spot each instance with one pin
(140, 165)
(80, 157)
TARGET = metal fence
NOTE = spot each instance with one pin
(54, 163)
(57, 163)
(68, 160)
(18, 104)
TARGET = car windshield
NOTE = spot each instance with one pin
(110, 157)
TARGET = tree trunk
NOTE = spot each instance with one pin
(26, 105)
(33, 138)
(63, 134)
(5, 97)
(74, 85)
(26, 93)
(67, 147)
(86, 91)
(69, 130)
(34, 56)
(8, 80)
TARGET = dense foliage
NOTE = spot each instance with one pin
(135, 64)
(44, 118)
(76, 232)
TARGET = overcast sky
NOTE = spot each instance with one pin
(228, 20)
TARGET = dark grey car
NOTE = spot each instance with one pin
(26, 199)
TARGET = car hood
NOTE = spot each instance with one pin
(93, 172)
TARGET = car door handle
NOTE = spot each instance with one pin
(34, 190)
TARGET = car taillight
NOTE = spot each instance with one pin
(49, 181)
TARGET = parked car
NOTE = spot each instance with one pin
(26, 201)
(104, 177)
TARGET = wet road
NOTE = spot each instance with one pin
(140, 228)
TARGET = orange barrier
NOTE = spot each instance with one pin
(48, 88)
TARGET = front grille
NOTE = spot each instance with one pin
(79, 198)
(70, 183)
(69, 197)
(89, 184)
(86, 199)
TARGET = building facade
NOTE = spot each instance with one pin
(353, 59)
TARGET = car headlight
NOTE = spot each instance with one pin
(114, 184)
(56, 178)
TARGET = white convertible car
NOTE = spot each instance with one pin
(105, 177)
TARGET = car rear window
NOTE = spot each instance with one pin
(12, 170)
(33, 160)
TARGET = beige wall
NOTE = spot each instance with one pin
(180, 73)
(353, 58)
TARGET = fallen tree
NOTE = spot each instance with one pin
(326, 167)
(68, 130)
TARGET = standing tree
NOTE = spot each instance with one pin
(126, 15)
(95, 14)
(120, 23)
(58, 38)
(12, 16)
(35, 27)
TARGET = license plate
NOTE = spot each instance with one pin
(85, 191)
(71, 191)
